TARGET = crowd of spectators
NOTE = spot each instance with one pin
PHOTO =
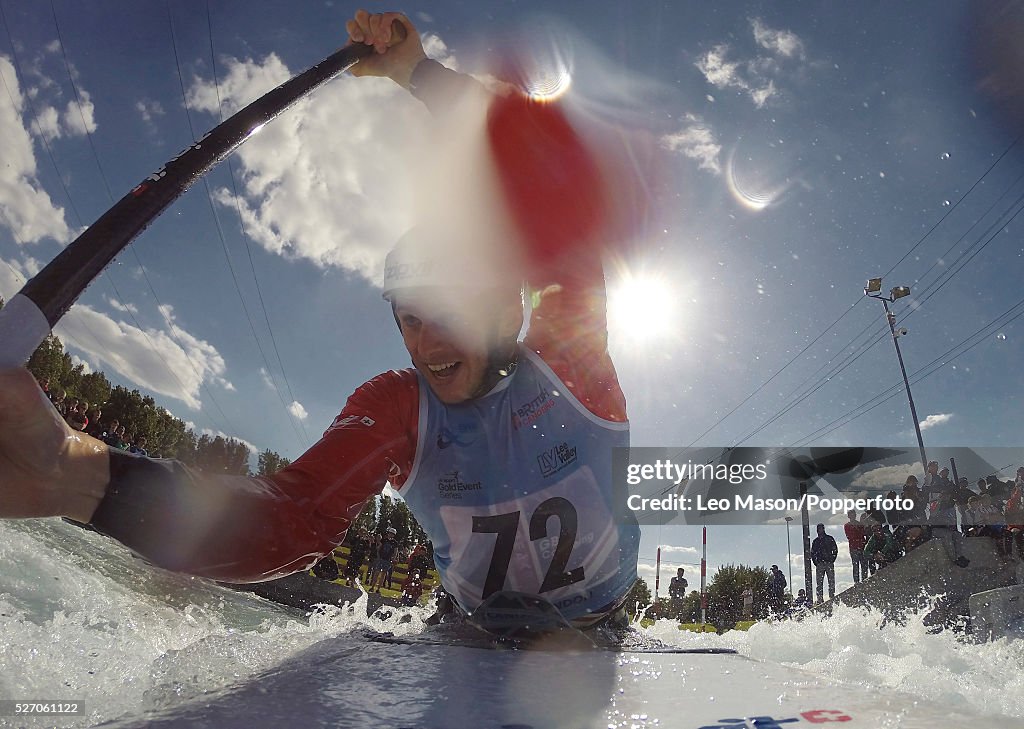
(943, 509)
(381, 553)
(89, 419)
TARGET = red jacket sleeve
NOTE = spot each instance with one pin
(238, 529)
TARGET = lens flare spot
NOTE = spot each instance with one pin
(642, 308)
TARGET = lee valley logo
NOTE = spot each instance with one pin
(555, 459)
(451, 485)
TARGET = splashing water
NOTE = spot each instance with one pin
(83, 619)
(856, 646)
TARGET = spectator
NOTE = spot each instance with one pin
(910, 531)
(776, 588)
(327, 568)
(943, 526)
(1015, 514)
(802, 601)
(823, 554)
(998, 491)
(412, 589)
(419, 560)
(962, 493)
(76, 416)
(748, 602)
(677, 593)
(856, 538)
(95, 428)
(882, 548)
(382, 562)
(932, 486)
(357, 550)
(59, 402)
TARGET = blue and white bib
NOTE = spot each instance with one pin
(514, 489)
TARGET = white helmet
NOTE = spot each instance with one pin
(430, 258)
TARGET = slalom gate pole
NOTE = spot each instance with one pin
(703, 580)
(657, 576)
(32, 313)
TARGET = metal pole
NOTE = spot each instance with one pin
(657, 577)
(805, 518)
(891, 318)
(703, 580)
(789, 553)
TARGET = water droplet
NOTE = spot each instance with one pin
(945, 203)
(944, 155)
(1001, 337)
(881, 174)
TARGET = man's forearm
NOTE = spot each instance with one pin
(229, 528)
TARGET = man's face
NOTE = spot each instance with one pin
(449, 341)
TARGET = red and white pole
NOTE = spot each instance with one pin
(657, 576)
(703, 579)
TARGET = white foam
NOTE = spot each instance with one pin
(84, 619)
(857, 646)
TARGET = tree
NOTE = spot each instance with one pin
(94, 388)
(222, 455)
(270, 463)
(725, 594)
(638, 597)
(51, 362)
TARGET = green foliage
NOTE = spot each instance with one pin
(166, 436)
(725, 594)
(639, 597)
(698, 627)
(222, 455)
(270, 463)
(50, 363)
(94, 388)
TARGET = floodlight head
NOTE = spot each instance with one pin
(873, 286)
(899, 292)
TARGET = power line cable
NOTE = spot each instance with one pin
(303, 437)
(160, 307)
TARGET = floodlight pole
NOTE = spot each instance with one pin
(789, 553)
(891, 318)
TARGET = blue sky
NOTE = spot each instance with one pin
(809, 150)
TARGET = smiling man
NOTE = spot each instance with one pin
(501, 448)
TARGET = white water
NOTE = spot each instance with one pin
(82, 619)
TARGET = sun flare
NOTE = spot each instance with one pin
(642, 308)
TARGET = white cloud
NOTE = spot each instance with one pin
(123, 307)
(697, 141)
(938, 419)
(25, 208)
(673, 549)
(76, 360)
(297, 410)
(782, 42)
(13, 276)
(744, 76)
(48, 123)
(265, 376)
(173, 366)
(80, 118)
(149, 109)
(886, 477)
(331, 180)
(756, 77)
